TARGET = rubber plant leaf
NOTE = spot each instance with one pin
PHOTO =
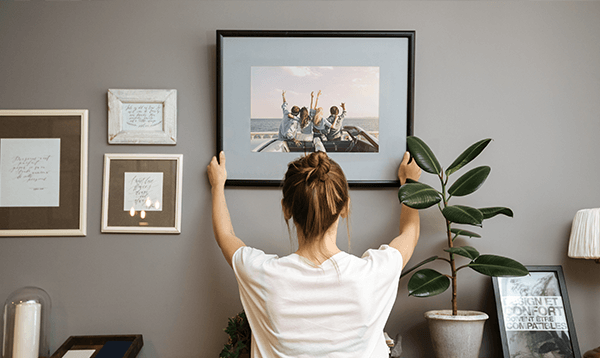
(465, 251)
(470, 181)
(427, 282)
(461, 232)
(423, 155)
(463, 215)
(498, 266)
(491, 212)
(426, 261)
(468, 155)
(418, 195)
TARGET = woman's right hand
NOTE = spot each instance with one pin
(217, 174)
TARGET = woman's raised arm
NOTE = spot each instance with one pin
(408, 237)
(222, 227)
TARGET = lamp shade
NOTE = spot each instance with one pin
(585, 235)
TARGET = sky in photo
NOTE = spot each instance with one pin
(357, 87)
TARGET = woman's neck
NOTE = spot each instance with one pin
(319, 251)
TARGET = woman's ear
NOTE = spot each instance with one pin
(287, 215)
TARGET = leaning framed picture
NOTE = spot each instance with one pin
(142, 193)
(281, 94)
(105, 346)
(43, 172)
(141, 116)
(534, 314)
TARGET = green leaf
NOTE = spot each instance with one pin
(498, 266)
(418, 195)
(423, 155)
(470, 181)
(465, 251)
(428, 260)
(461, 232)
(467, 156)
(491, 212)
(427, 282)
(463, 215)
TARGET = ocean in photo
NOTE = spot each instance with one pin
(272, 124)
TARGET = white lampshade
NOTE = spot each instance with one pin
(585, 235)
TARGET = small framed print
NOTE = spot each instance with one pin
(142, 116)
(534, 314)
(107, 346)
(142, 193)
(43, 172)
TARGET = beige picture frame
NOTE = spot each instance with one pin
(142, 116)
(69, 216)
(167, 220)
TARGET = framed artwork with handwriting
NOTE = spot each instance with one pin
(142, 116)
(142, 193)
(43, 172)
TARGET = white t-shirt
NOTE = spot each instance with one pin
(299, 310)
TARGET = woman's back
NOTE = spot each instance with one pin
(337, 309)
(295, 307)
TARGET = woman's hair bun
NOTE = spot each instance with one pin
(320, 165)
(315, 192)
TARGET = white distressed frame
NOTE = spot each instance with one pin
(83, 173)
(166, 136)
(176, 229)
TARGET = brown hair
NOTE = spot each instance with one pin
(318, 116)
(315, 192)
(334, 110)
(295, 110)
(304, 117)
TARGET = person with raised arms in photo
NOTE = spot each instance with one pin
(337, 121)
(289, 123)
(318, 301)
(320, 125)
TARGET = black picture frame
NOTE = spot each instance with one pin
(534, 313)
(104, 346)
(239, 51)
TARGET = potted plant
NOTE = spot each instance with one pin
(238, 345)
(429, 282)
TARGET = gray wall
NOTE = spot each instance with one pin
(523, 73)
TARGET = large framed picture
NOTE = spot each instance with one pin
(142, 116)
(142, 193)
(282, 94)
(534, 314)
(43, 172)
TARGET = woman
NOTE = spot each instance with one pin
(318, 301)
(305, 131)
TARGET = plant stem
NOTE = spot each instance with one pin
(453, 268)
(444, 181)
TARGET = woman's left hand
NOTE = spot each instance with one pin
(217, 174)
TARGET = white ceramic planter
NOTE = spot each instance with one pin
(456, 336)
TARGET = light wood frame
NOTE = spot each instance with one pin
(116, 220)
(70, 217)
(117, 98)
